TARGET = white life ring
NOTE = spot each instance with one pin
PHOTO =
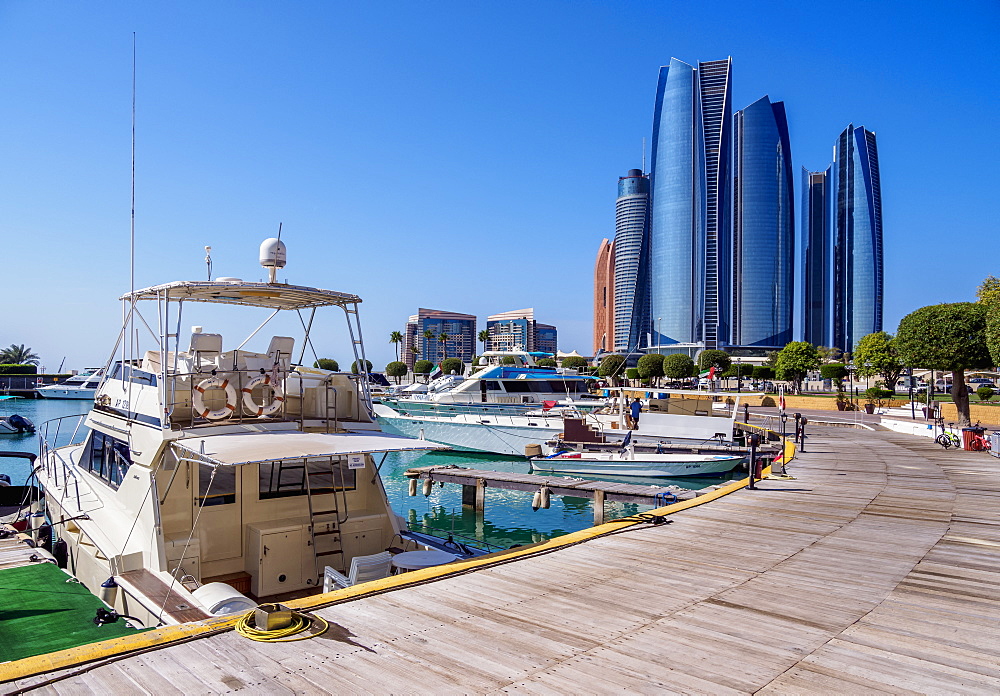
(266, 408)
(198, 398)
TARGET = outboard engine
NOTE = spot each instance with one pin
(22, 424)
(4, 480)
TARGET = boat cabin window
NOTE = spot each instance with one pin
(491, 384)
(107, 457)
(288, 477)
(220, 490)
(128, 373)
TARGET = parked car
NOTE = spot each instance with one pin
(976, 382)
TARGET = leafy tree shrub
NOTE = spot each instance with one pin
(574, 362)
(678, 366)
(834, 371)
(449, 365)
(396, 369)
(650, 366)
(719, 359)
(354, 366)
(18, 369)
(947, 337)
(422, 367)
(795, 360)
(18, 355)
(876, 355)
(508, 360)
(546, 362)
(327, 364)
(632, 373)
(612, 367)
(878, 396)
(985, 393)
(763, 372)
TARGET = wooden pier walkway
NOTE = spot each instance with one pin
(876, 571)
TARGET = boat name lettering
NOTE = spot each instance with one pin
(121, 403)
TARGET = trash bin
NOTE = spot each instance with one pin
(995, 442)
(968, 434)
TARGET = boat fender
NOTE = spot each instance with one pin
(43, 537)
(428, 485)
(413, 487)
(198, 398)
(544, 497)
(60, 551)
(109, 591)
(266, 408)
(536, 500)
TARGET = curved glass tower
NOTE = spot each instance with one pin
(631, 215)
(857, 257)
(764, 228)
(816, 251)
(689, 220)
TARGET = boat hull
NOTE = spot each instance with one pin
(53, 392)
(652, 466)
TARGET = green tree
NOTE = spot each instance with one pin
(835, 371)
(449, 365)
(443, 340)
(423, 367)
(719, 359)
(829, 354)
(985, 393)
(428, 342)
(650, 366)
(612, 367)
(678, 366)
(631, 373)
(396, 369)
(354, 366)
(397, 338)
(546, 362)
(763, 372)
(989, 296)
(876, 355)
(484, 338)
(18, 355)
(327, 364)
(508, 360)
(574, 362)
(795, 360)
(947, 337)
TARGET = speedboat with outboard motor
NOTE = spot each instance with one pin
(209, 477)
(15, 424)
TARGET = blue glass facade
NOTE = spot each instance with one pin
(631, 291)
(858, 264)
(764, 228)
(460, 328)
(817, 253)
(689, 234)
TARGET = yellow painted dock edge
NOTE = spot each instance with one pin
(162, 637)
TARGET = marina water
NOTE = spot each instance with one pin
(508, 519)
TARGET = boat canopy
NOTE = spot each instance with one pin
(250, 448)
(238, 292)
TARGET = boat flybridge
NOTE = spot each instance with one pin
(210, 477)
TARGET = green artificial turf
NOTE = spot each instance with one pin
(43, 610)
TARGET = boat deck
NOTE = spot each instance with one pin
(877, 570)
(13, 551)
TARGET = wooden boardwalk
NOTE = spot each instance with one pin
(876, 571)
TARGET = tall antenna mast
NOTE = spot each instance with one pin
(643, 155)
(131, 264)
(279, 230)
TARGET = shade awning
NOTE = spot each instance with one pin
(238, 292)
(253, 448)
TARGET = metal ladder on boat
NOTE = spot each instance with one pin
(358, 345)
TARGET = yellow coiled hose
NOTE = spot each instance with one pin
(300, 622)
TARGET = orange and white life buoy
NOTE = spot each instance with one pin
(266, 408)
(198, 398)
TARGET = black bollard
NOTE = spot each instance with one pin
(746, 413)
(802, 434)
(753, 459)
(798, 419)
(784, 419)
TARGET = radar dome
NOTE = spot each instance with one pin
(272, 253)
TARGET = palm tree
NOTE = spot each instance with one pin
(18, 355)
(484, 336)
(428, 337)
(443, 340)
(397, 338)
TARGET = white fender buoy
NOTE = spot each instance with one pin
(428, 485)
(413, 486)
(536, 500)
(545, 497)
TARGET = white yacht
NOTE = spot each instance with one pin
(208, 477)
(671, 416)
(81, 386)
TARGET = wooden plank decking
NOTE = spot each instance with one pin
(876, 571)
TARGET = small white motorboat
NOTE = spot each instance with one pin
(625, 462)
(16, 425)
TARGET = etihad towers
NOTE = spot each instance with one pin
(690, 226)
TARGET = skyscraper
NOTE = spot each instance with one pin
(518, 330)
(604, 297)
(460, 329)
(763, 228)
(631, 243)
(857, 256)
(690, 203)
(817, 248)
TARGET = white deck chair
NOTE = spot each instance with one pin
(363, 569)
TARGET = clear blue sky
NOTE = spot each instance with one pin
(451, 155)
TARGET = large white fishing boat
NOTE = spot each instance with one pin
(671, 416)
(209, 477)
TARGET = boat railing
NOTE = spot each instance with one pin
(50, 450)
(501, 414)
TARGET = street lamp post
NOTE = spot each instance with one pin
(658, 333)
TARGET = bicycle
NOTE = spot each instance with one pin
(978, 443)
(948, 439)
